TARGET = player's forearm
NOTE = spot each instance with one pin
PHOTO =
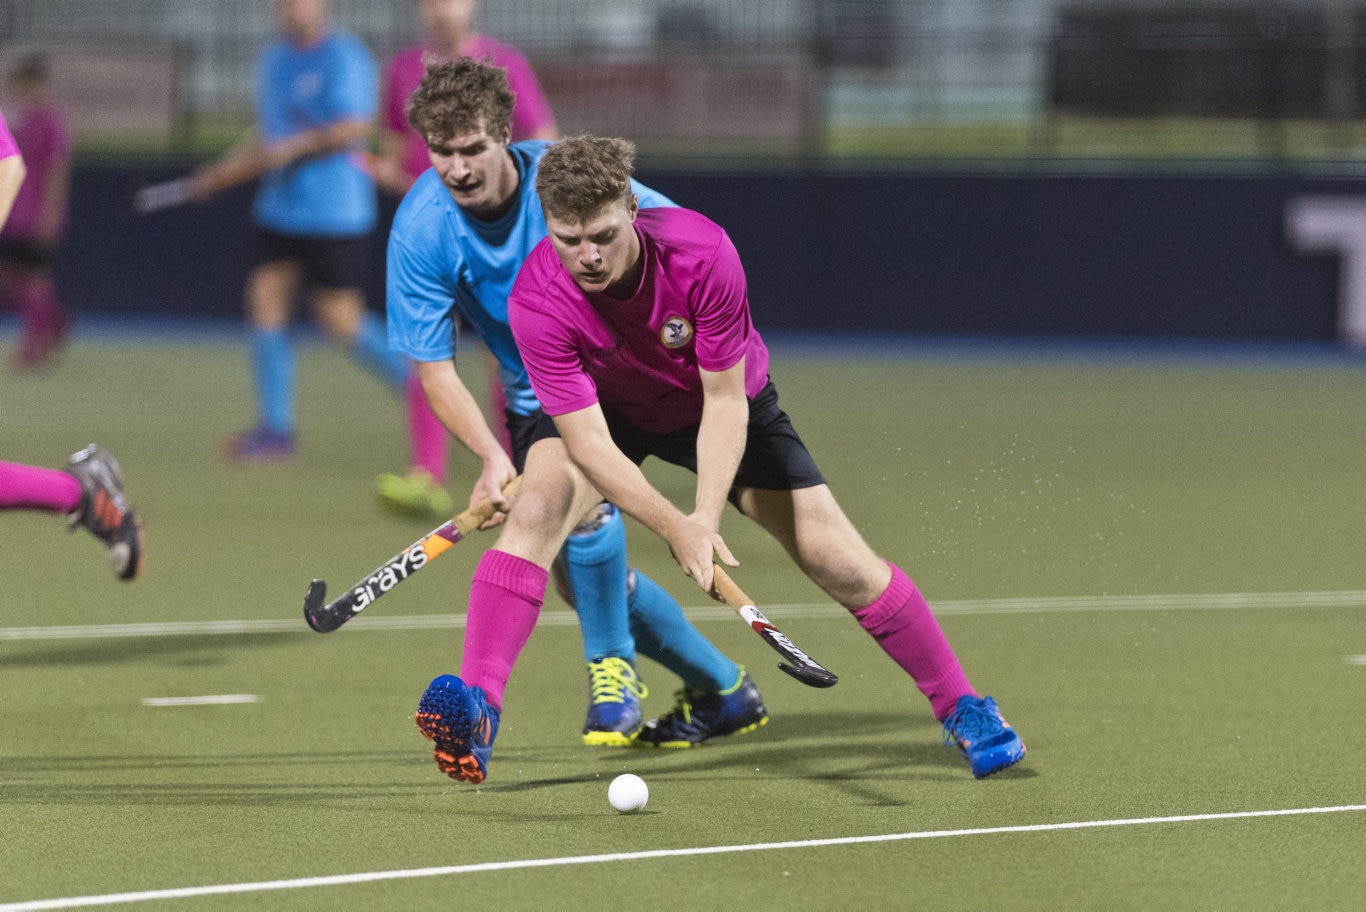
(458, 411)
(721, 436)
(620, 481)
(11, 176)
(343, 134)
(243, 162)
(720, 445)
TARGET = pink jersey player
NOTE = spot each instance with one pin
(578, 346)
(635, 332)
(41, 134)
(531, 117)
(28, 243)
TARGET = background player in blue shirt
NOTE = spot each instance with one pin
(456, 245)
(317, 96)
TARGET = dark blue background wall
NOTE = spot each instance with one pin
(1056, 254)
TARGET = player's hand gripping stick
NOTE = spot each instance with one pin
(800, 665)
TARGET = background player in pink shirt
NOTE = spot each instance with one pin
(89, 491)
(447, 33)
(635, 330)
(12, 171)
(28, 242)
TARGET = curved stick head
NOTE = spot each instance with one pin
(313, 606)
(810, 676)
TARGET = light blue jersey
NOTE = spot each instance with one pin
(443, 264)
(312, 88)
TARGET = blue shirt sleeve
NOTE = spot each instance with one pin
(420, 292)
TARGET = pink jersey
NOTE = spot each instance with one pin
(640, 357)
(530, 115)
(8, 148)
(41, 137)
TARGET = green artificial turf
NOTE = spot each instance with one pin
(1077, 520)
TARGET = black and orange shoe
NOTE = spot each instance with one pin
(104, 511)
(462, 723)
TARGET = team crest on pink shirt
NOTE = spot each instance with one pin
(677, 332)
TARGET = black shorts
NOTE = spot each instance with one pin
(775, 458)
(522, 434)
(330, 261)
(27, 254)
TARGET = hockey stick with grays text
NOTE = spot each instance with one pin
(327, 618)
(802, 667)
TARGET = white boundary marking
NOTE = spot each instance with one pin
(207, 700)
(72, 902)
(1198, 602)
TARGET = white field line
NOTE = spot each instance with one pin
(335, 880)
(1199, 602)
(207, 700)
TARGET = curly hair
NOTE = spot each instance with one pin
(580, 175)
(461, 96)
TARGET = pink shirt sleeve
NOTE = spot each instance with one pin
(531, 115)
(542, 328)
(394, 94)
(8, 147)
(401, 76)
(722, 311)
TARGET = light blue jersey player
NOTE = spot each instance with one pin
(303, 88)
(317, 95)
(445, 263)
(456, 245)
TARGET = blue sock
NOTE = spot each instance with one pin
(272, 368)
(372, 352)
(662, 633)
(595, 562)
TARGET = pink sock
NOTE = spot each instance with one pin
(505, 601)
(25, 487)
(38, 305)
(425, 432)
(903, 625)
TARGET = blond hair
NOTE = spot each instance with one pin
(579, 176)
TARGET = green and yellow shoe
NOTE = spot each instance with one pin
(414, 494)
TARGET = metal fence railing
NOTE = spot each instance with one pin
(785, 76)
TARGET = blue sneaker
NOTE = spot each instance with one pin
(986, 739)
(259, 444)
(700, 714)
(463, 725)
(614, 695)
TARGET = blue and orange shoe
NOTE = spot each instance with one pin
(987, 741)
(104, 512)
(701, 714)
(459, 719)
(614, 695)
